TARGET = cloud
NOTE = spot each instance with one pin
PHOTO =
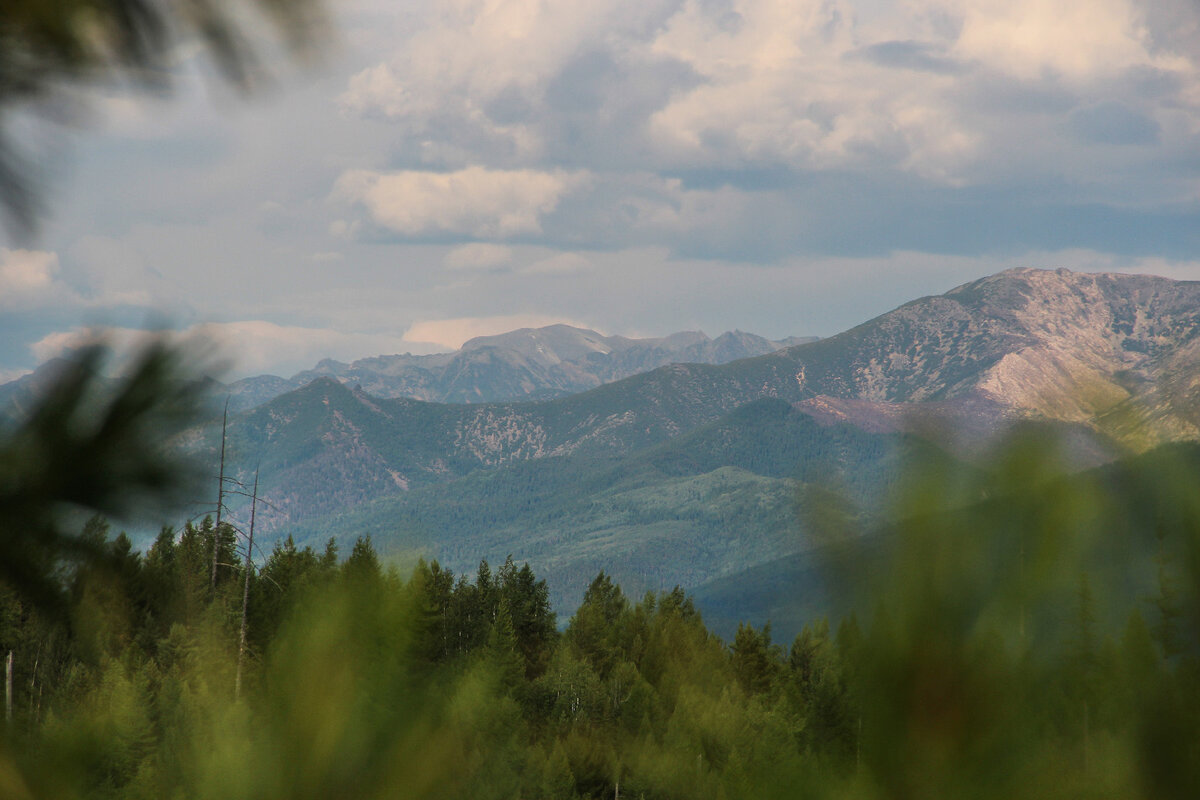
(29, 279)
(61, 343)
(258, 346)
(809, 85)
(1079, 40)
(918, 56)
(749, 145)
(451, 333)
(238, 349)
(478, 255)
(23, 271)
(474, 201)
(1113, 123)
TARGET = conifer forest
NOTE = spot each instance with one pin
(1013, 631)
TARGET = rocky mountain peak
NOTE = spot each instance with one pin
(1054, 343)
(548, 345)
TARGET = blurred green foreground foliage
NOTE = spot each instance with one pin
(1019, 631)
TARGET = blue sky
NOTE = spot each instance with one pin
(448, 169)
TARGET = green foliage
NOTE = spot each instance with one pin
(1023, 633)
(90, 445)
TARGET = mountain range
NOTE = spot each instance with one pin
(525, 364)
(704, 474)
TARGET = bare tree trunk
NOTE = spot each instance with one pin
(33, 684)
(237, 690)
(220, 498)
(8, 690)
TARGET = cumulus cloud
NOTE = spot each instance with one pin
(26, 270)
(757, 147)
(1079, 40)
(803, 85)
(58, 344)
(474, 201)
(451, 333)
(29, 279)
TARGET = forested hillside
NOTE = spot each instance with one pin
(1041, 643)
(710, 503)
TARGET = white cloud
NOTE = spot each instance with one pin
(61, 343)
(256, 346)
(29, 279)
(474, 201)
(789, 84)
(26, 270)
(453, 62)
(451, 333)
(800, 84)
(727, 137)
(1081, 40)
(478, 255)
(342, 229)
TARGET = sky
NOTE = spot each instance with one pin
(452, 168)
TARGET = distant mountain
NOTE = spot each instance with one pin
(690, 472)
(1057, 345)
(18, 396)
(526, 364)
(1084, 354)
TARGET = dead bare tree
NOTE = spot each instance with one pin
(220, 496)
(246, 588)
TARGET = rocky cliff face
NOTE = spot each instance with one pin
(1061, 345)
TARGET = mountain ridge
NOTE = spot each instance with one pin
(524, 364)
(1059, 346)
(1098, 358)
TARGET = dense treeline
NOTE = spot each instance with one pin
(362, 679)
(982, 669)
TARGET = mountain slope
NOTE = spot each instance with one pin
(689, 472)
(526, 364)
(1059, 346)
(719, 499)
